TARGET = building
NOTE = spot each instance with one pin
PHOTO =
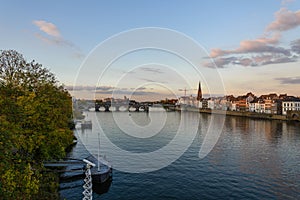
(199, 96)
(292, 104)
(191, 101)
(203, 104)
(268, 104)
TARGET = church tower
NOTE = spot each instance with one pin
(199, 96)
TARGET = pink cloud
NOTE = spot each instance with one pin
(251, 46)
(51, 35)
(47, 28)
(255, 45)
(217, 52)
(285, 20)
(263, 50)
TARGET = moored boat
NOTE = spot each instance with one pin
(102, 172)
(86, 124)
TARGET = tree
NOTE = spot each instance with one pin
(34, 117)
(16, 72)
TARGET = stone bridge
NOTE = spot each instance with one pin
(131, 106)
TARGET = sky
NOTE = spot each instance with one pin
(151, 50)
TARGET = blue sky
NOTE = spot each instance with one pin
(254, 44)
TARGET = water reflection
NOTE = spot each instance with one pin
(261, 148)
(102, 188)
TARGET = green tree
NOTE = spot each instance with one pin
(34, 116)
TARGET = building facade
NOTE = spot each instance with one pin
(293, 105)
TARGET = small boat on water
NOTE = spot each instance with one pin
(86, 124)
(72, 170)
(102, 172)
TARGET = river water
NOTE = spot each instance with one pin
(252, 159)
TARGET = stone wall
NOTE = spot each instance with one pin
(293, 115)
(247, 114)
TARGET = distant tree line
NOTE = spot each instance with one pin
(35, 112)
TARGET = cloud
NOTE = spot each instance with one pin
(55, 41)
(149, 69)
(51, 35)
(125, 91)
(78, 55)
(252, 61)
(110, 90)
(47, 27)
(79, 88)
(153, 81)
(285, 20)
(295, 45)
(220, 62)
(105, 88)
(264, 50)
(218, 52)
(277, 60)
(140, 88)
(289, 80)
(258, 45)
(148, 80)
(89, 88)
(245, 62)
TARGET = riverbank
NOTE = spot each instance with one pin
(291, 115)
(246, 114)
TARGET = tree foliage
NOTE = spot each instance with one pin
(34, 116)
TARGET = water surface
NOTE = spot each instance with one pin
(253, 159)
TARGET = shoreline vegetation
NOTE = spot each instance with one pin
(35, 125)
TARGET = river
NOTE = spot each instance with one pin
(252, 159)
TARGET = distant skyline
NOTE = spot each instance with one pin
(254, 44)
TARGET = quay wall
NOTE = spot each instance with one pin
(246, 114)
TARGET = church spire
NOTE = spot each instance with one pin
(199, 96)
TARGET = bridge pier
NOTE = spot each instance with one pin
(97, 108)
(106, 108)
(146, 108)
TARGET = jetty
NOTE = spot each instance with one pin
(74, 169)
